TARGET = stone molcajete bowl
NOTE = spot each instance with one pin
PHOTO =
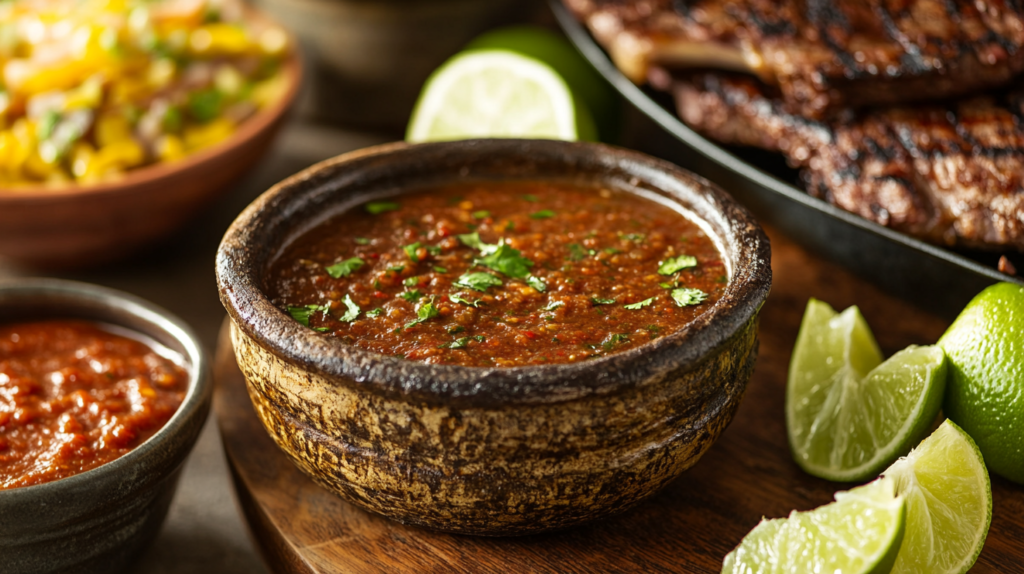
(491, 451)
(99, 521)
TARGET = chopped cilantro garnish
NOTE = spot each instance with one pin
(542, 214)
(411, 296)
(456, 344)
(344, 268)
(510, 225)
(425, 312)
(640, 304)
(602, 301)
(507, 260)
(482, 214)
(613, 340)
(378, 207)
(411, 249)
(411, 281)
(375, 312)
(654, 330)
(352, 312)
(537, 283)
(362, 241)
(465, 301)
(479, 338)
(433, 250)
(674, 264)
(530, 197)
(456, 329)
(553, 306)
(322, 329)
(611, 250)
(478, 281)
(397, 268)
(576, 252)
(473, 240)
(684, 296)
(634, 237)
(666, 285)
(302, 314)
(440, 269)
(723, 279)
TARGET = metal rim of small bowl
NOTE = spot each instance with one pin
(199, 386)
(241, 259)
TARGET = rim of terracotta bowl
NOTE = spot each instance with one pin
(349, 180)
(291, 67)
(96, 303)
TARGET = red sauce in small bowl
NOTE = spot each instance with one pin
(74, 396)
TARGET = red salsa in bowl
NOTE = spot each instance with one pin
(500, 274)
(75, 395)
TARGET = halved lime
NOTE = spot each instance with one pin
(858, 533)
(497, 93)
(949, 503)
(848, 415)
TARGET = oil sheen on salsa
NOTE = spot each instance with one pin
(74, 396)
(500, 274)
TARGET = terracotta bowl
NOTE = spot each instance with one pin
(491, 451)
(84, 225)
(100, 520)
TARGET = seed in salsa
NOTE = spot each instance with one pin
(500, 274)
(74, 396)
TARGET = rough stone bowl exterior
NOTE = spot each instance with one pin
(491, 451)
(99, 521)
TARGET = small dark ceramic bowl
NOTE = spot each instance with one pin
(100, 520)
(492, 451)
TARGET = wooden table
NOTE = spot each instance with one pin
(689, 527)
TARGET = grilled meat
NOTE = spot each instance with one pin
(823, 55)
(949, 173)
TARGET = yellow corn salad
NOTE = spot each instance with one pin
(92, 88)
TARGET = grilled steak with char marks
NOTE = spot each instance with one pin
(823, 55)
(949, 173)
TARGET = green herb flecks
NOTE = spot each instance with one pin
(675, 264)
(667, 285)
(205, 105)
(439, 269)
(478, 281)
(397, 268)
(459, 299)
(640, 304)
(456, 329)
(537, 283)
(576, 252)
(344, 268)
(602, 301)
(553, 306)
(530, 197)
(507, 260)
(378, 207)
(411, 249)
(473, 240)
(634, 237)
(433, 250)
(305, 312)
(424, 312)
(411, 296)
(685, 296)
(362, 241)
(411, 281)
(375, 312)
(352, 312)
(482, 214)
(613, 340)
(654, 330)
(542, 214)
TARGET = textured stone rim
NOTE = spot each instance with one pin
(384, 171)
(92, 302)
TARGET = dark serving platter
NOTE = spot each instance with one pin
(932, 277)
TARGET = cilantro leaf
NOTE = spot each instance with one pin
(397, 268)
(684, 296)
(482, 214)
(412, 296)
(640, 304)
(375, 312)
(666, 285)
(473, 240)
(362, 241)
(440, 269)
(433, 250)
(507, 260)
(537, 283)
(456, 329)
(425, 312)
(613, 340)
(576, 252)
(601, 301)
(344, 268)
(674, 264)
(456, 344)
(542, 214)
(634, 237)
(458, 299)
(411, 281)
(553, 306)
(478, 281)
(378, 207)
(410, 250)
(304, 313)
(352, 312)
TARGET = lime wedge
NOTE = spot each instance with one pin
(949, 503)
(858, 533)
(847, 415)
(497, 93)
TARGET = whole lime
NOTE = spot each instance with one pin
(985, 388)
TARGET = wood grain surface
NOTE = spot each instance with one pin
(688, 528)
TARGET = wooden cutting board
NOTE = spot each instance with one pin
(688, 528)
